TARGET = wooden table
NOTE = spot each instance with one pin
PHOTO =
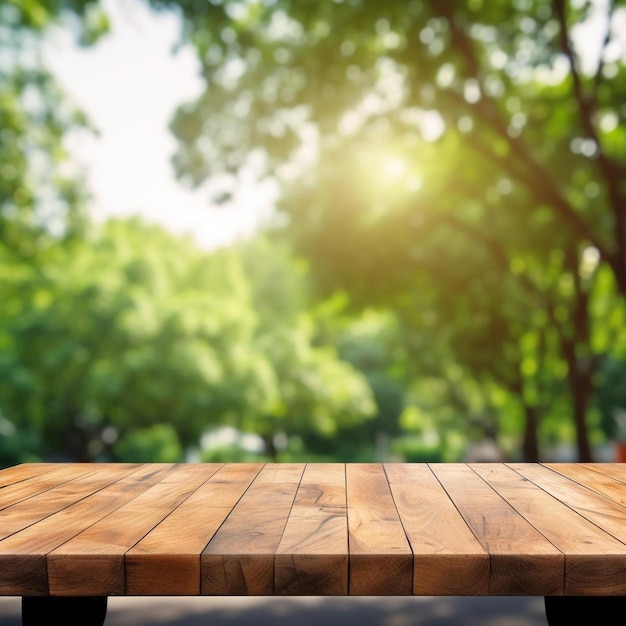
(73, 534)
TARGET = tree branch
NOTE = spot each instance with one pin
(605, 42)
(536, 177)
(610, 170)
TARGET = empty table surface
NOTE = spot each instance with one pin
(107, 529)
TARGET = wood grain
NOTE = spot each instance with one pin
(586, 526)
(312, 557)
(33, 483)
(92, 562)
(167, 560)
(381, 561)
(239, 559)
(26, 550)
(447, 557)
(522, 560)
(25, 471)
(599, 477)
(313, 529)
(71, 486)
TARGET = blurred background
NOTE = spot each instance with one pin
(310, 610)
(307, 231)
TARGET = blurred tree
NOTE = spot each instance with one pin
(130, 343)
(320, 394)
(126, 330)
(155, 444)
(499, 123)
(611, 396)
(372, 342)
(42, 195)
(527, 88)
(88, 318)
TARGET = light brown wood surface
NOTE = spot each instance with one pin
(448, 558)
(313, 529)
(312, 556)
(239, 559)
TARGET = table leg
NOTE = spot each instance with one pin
(67, 611)
(583, 610)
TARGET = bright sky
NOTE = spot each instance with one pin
(129, 85)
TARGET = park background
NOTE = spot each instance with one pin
(395, 231)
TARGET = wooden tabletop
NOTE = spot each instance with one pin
(313, 529)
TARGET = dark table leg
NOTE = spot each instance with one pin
(65, 611)
(583, 610)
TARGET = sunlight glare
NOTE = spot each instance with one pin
(395, 168)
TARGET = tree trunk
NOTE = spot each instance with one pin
(578, 355)
(579, 378)
(530, 445)
(270, 446)
(77, 444)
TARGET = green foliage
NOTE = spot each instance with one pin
(123, 331)
(131, 343)
(318, 391)
(121, 341)
(232, 454)
(372, 343)
(452, 174)
(18, 446)
(42, 194)
(611, 399)
(415, 450)
(154, 444)
(457, 162)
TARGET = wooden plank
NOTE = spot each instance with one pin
(381, 561)
(616, 471)
(523, 561)
(99, 550)
(319, 529)
(23, 569)
(609, 479)
(588, 527)
(24, 471)
(312, 558)
(601, 510)
(239, 559)
(279, 472)
(167, 560)
(70, 485)
(33, 484)
(447, 557)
